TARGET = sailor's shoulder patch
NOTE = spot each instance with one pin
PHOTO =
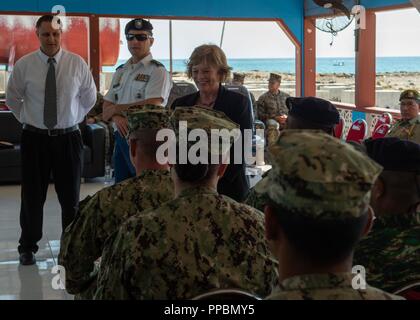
(157, 63)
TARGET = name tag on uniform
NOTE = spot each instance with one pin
(142, 77)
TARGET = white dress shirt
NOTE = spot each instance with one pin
(135, 82)
(76, 90)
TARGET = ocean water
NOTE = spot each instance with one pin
(324, 65)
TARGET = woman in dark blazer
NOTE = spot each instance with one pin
(208, 68)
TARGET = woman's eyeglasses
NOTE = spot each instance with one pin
(138, 37)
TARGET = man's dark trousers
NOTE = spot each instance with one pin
(42, 154)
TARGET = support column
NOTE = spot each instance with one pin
(94, 49)
(309, 64)
(298, 56)
(366, 63)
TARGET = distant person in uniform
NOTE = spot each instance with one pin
(391, 251)
(238, 79)
(199, 241)
(50, 91)
(208, 68)
(307, 113)
(140, 81)
(317, 210)
(408, 127)
(272, 104)
(102, 214)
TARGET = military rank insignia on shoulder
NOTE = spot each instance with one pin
(158, 63)
(143, 77)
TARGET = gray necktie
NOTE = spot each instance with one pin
(50, 102)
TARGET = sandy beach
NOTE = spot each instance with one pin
(335, 87)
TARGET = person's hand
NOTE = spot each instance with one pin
(281, 119)
(108, 110)
(122, 124)
(90, 120)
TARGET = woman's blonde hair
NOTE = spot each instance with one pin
(213, 56)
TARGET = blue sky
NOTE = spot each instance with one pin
(397, 35)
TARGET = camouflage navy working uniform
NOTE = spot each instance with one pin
(101, 215)
(391, 251)
(270, 105)
(317, 176)
(198, 242)
(239, 78)
(407, 129)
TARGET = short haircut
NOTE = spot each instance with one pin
(195, 173)
(300, 123)
(322, 241)
(402, 187)
(212, 55)
(46, 18)
(146, 139)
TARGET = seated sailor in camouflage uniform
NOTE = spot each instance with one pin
(408, 127)
(200, 241)
(317, 210)
(238, 79)
(272, 104)
(391, 252)
(99, 216)
(304, 113)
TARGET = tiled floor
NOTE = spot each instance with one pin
(36, 282)
(32, 282)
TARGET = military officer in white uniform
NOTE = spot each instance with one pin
(141, 80)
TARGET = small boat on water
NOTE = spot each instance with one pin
(338, 64)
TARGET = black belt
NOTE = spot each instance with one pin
(52, 132)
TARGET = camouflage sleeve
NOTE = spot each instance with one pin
(111, 283)
(77, 249)
(262, 115)
(255, 200)
(254, 105)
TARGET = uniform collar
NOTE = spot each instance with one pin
(45, 58)
(317, 281)
(197, 190)
(397, 220)
(143, 62)
(411, 121)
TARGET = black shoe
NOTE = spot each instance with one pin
(27, 258)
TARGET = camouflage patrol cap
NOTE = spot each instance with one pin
(240, 77)
(147, 117)
(275, 77)
(410, 94)
(139, 25)
(317, 175)
(191, 118)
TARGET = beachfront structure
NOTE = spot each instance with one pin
(294, 17)
(290, 15)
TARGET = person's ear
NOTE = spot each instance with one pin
(221, 170)
(133, 149)
(369, 222)
(272, 226)
(152, 40)
(378, 189)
